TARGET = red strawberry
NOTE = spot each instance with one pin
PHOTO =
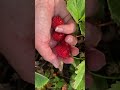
(58, 36)
(65, 44)
(56, 21)
(63, 50)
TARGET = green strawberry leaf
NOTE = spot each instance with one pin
(114, 7)
(82, 27)
(79, 83)
(40, 80)
(115, 86)
(77, 61)
(77, 10)
(82, 85)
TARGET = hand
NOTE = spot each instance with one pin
(44, 11)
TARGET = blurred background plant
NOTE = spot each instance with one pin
(102, 40)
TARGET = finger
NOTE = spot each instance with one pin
(67, 28)
(71, 40)
(60, 9)
(74, 51)
(48, 54)
(68, 60)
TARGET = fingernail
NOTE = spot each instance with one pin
(59, 29)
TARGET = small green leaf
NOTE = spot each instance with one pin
(82, 85)
(79, 83)
(76, 9)
(115, 86)
(77, 61)
(70, 87)
(59, 84)
(40, 80)
(114, 7)
(82, 27)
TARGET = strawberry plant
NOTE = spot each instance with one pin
(68, 78)
(40, 80)
(77, 10)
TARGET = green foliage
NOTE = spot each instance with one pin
(115, 86)
(79, 83)
(77, 10)
(57, 83)
(114, 7)
(82, 27)
(77, 61)
(40, 80)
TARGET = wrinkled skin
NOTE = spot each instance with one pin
(44, 11)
